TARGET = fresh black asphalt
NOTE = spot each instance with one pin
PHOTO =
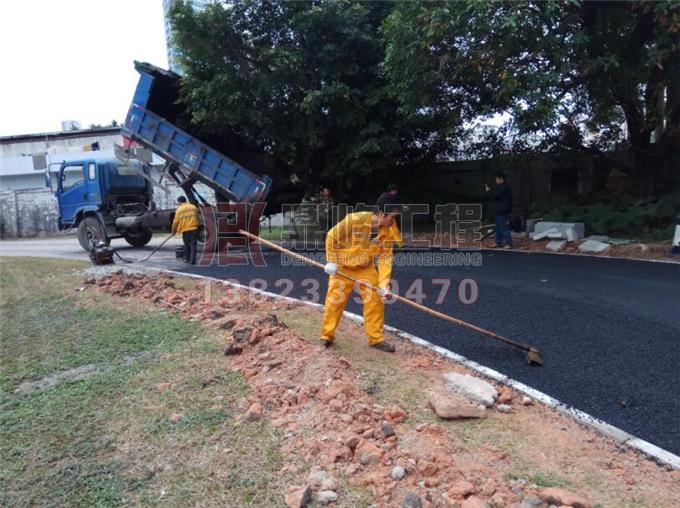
(608, 329)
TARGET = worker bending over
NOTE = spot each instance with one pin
(361, 246)
(186, 223)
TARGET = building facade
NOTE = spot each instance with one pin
(172, 51)
(28, 206)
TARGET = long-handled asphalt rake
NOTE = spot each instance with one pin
(532, 356)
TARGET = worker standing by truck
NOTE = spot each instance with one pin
(361, 246)
(186, 223)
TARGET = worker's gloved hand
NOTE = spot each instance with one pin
(330, 268)
(384, 293)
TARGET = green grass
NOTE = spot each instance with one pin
(108, 439)
(539, 478)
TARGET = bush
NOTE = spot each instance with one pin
(615, 213)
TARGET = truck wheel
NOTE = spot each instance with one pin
(139, 240)
(91, 230)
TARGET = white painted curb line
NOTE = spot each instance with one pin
(620, 436)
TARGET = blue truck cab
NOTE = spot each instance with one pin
(93, 193)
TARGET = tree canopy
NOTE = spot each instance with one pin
(343, 90)
(304, 81)
(589, 76)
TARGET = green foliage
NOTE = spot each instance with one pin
(303, 80)
(607, 213)
(571, 75)
(347, 90)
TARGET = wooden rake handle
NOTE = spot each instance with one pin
(415, 305)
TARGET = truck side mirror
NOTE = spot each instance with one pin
(48, 179)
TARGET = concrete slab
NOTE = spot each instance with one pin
(556, 245)
(579, 227)
(593, 246)
(598, 238)
(473, 388)
(571, 235)
(542, 235)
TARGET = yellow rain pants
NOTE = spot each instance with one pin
(349, 245)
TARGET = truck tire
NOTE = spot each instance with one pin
(91, 230)
(139, 240)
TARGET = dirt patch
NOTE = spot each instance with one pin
(47, 382)
(638, 250)
(362, 417)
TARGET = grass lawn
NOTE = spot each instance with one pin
(150, 417)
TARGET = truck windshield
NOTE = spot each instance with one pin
(71, 176)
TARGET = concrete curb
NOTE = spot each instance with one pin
(622, 437)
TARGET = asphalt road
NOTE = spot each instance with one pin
(608, 329)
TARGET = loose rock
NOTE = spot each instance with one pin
(395, 414)
(531, 502)
(473, 502)
(504, 408)
(505, 396)
(471, 387)
(326, 496)
(297, 497)
(367, 453)
(461, 488)
(412, 500)
(563, 497)
(254, 412)
(398, 473)
(387, 430)
(321, 481)
(527, 401)
(450, 408)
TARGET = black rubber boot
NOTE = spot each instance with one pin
(384, 346)
(326, 343)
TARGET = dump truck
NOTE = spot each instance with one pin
(113, 198)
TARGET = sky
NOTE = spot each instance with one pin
(73, 60)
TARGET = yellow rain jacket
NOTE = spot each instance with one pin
(186, 218)
(349, 245)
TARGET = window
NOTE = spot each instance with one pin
(72, 176)
(92, 171)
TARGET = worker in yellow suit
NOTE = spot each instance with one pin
(186, 223)
(361, 246)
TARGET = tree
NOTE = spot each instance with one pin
(588, 76)
(302, 80)
(113, 123)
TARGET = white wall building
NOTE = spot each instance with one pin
(27, 206)
(17, 154)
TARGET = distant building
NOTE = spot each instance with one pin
(28, 206)
(18, 154)
(172, 51)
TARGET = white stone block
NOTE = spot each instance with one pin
(556, 245)
(473, 388)
(579, 227)
(598, 238)
(571, 235)
(542, 235)
(593, 246)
